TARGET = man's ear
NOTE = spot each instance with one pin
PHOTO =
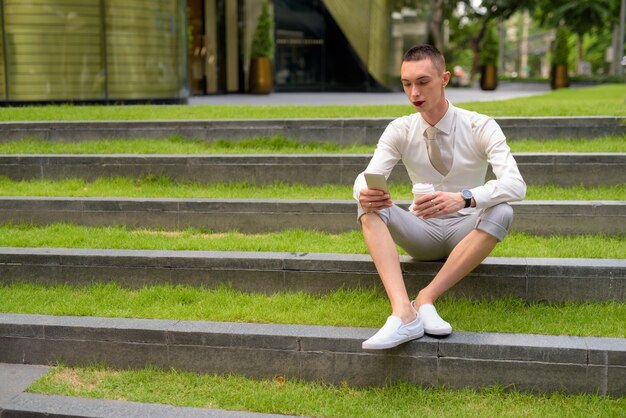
(445, 78)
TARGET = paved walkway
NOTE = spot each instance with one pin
(456, 95)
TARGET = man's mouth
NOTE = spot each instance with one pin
(418, 103)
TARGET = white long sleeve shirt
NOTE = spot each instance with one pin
(476, 141)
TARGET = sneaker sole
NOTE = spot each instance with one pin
(438, 332)
(391, 345)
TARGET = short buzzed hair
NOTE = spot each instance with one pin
(421, 52)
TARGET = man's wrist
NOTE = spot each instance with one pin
(468, 198)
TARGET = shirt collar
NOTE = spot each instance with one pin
(445, 125)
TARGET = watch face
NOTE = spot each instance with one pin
(467, 194)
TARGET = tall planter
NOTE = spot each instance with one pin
(559, 77)
(488, 77)
(261, 80)
(489, 52)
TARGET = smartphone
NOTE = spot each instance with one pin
(376, 181)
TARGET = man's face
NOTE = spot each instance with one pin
(423, 84)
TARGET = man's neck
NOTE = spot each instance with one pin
(435, 115)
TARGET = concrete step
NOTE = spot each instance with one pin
(543, 217)
(15, 379)
(14, 402)
(343, 131)
(564, 169)
(33, 405)
(529, 279)
(538, 363)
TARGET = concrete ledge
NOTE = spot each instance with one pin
(15, 379)
(342, 131)
(529, 279)
(537, 363)
(565, 169)
(543, 217)
(34, 405)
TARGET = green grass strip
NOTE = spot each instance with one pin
(602, 100)
(272, 145)
(178, 145)
(60, 235)
(295, 397)
(352, 308)
(606, 100)
(603, 144)
(165, 187)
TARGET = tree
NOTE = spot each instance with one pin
(580, 17)
(435, 24)
(487, 11)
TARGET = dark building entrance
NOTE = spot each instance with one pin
(312, 54)
(321, 45)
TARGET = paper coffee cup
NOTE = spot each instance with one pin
(420, 189)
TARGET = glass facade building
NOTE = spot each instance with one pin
(92, 50)
(167, 50)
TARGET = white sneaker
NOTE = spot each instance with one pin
(394, 333)
(433, 324)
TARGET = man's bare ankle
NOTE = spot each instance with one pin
(407, 315)
(422, 300)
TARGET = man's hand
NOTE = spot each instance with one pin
(436, 204)
(372, 200)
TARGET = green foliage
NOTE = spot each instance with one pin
(503, 9)
(489, 48)
(263, 40)
(560, 53)
(580, 16)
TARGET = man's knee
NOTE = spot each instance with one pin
(502, 213)
(370, 218)
(497, 220)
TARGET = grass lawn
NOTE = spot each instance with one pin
(516, 244)
(604, 100)
(272, 145)
(294, 397)
(164, 187)
(353, 308)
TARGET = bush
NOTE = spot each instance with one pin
(263, 40)
(489, 47)
(560, 53)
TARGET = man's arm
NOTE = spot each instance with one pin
(509, 186)
(386, 156)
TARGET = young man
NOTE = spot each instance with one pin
(461, 221)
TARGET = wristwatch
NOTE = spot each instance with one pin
(467, 195)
